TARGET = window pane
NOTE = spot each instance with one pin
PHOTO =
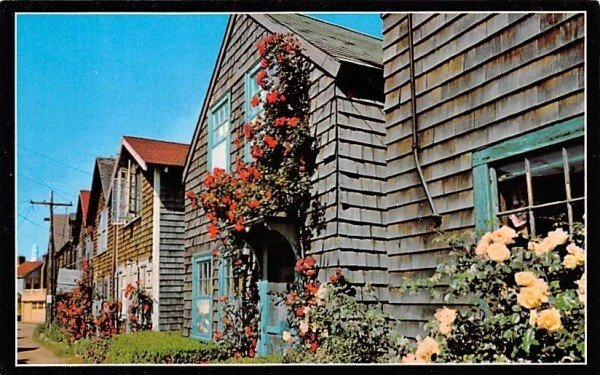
(548, 178)
(576, 169)
(548, 218)
(219, 156)
(512, 186)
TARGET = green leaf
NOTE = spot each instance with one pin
(528, 340)
(566, 300)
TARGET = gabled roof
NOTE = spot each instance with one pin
(61, 230)
(105, 169)
(325, 44)
(342, 43)
(101, 183)
(84, 201)
(26, 268)
(152, 151)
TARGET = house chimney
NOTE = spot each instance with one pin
(21, 259)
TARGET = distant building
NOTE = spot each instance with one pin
(31, 292)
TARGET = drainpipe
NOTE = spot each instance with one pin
(437, 218)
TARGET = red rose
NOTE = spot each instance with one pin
(223, 299)
(255, 101)
(209, 180)
(299, 311)
(273, 97)
(211, 217)
(253, 204)
(313, 347)
(280, 121)
(312, 288)
(270, 141)
(293, 121)
(248, 331)
(260, 76)
(213, 231)
(300, 265)
(264, 63)
(309, 262)
(257, 152)
(215, 252)
(218, 172)
(248, 131)
(239, 225)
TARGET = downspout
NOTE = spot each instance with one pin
(437, 218)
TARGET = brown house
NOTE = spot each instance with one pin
(31, 291)
(147, 218)
(346, 118)
(496, 102)
(82, 231)
(102, 235)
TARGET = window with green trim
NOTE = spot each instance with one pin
(533, 181)
(202, 289)
(219, 133)
(252, 89)
(226, 285)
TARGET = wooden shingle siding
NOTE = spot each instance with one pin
(171, 250)
(135, 238)
(102, 263)
(348, 183)
(480, 79)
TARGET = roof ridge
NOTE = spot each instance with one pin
(335, 25)
(155, 140)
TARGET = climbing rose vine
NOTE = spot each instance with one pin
(275, 183)
(526, 297)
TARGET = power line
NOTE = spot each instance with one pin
(25, 216)
(32, 222)
(55, 160)
(46, 185)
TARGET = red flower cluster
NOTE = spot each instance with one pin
(307, 267)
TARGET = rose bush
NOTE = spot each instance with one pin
(526, 295)
(276, 182)
(328, 324)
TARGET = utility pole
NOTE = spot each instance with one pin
(51, 205)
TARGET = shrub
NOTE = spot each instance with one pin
(526, 301)
(160, 347)
(51, 332)
(329, 325)
(273, 358)
(93, 349)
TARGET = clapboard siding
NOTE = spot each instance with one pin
(172, 238)
(135, 238)
(350, 174)
(102, 263)
(480, 79)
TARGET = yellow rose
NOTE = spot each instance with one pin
(427, 347)
(445, 315)
(498, 252)
(530, 297)
(577, 252)
(532, 317)
(540, 248)
(581, 288)
(411, 358)
(558, 236)
(549, 320)
(445, 329)
(542, 287)
(570, 261)
(503, 235)
(525, 278)
(286, 336)
(483, 244)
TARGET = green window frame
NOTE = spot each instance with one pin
(485, 194)
(219, 133)
(251, 89)
(226, 285)
(202, 296)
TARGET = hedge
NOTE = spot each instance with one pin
(161, 347)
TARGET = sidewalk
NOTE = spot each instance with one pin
(29, 351)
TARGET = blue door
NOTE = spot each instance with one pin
(202, 289)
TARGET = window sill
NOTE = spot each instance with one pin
(134, 220)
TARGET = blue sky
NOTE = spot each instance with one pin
(83, 81)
